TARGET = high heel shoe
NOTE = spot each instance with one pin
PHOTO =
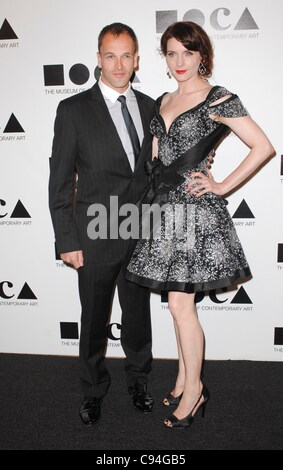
(188, 420)
(172, 401)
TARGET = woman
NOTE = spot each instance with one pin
(189, 124)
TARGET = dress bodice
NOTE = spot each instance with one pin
(194, 125)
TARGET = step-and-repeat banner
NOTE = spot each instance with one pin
(48, 53)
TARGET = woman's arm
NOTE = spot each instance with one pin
(260, 150)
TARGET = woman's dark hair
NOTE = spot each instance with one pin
(116, 29)
(193, 38)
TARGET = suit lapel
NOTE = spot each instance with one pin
(145, 123)
(142, 111)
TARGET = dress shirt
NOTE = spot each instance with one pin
(114, 107)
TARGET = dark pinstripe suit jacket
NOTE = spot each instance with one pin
(86, 142)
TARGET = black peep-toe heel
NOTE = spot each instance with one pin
(188, 420)
(172, 401)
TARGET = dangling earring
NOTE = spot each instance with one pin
(168, 73)
(202, 70)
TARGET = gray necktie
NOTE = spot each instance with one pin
(130, 127)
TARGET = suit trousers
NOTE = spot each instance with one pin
(97, 284)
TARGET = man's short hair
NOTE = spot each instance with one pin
(116, 29)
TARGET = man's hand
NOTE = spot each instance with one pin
(73, 259)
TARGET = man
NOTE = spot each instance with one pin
(93, 141)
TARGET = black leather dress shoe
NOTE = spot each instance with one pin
(142, 400)
(90, 410)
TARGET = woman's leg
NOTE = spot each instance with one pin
(191, 341)
(180, 382)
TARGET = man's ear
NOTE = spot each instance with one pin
(136, 61)
(98, 59)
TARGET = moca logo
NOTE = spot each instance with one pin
(23, 298)
(219, 299)
(7, 34)
(70, 331)
(240, 298)
(244, 212)
(54, 75)
(19, 212)
(78, 74)
(12, 127)
(240, 302)
(219, 19)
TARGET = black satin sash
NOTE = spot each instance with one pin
(164, 179)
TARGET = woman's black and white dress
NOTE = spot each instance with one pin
(195, 246)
